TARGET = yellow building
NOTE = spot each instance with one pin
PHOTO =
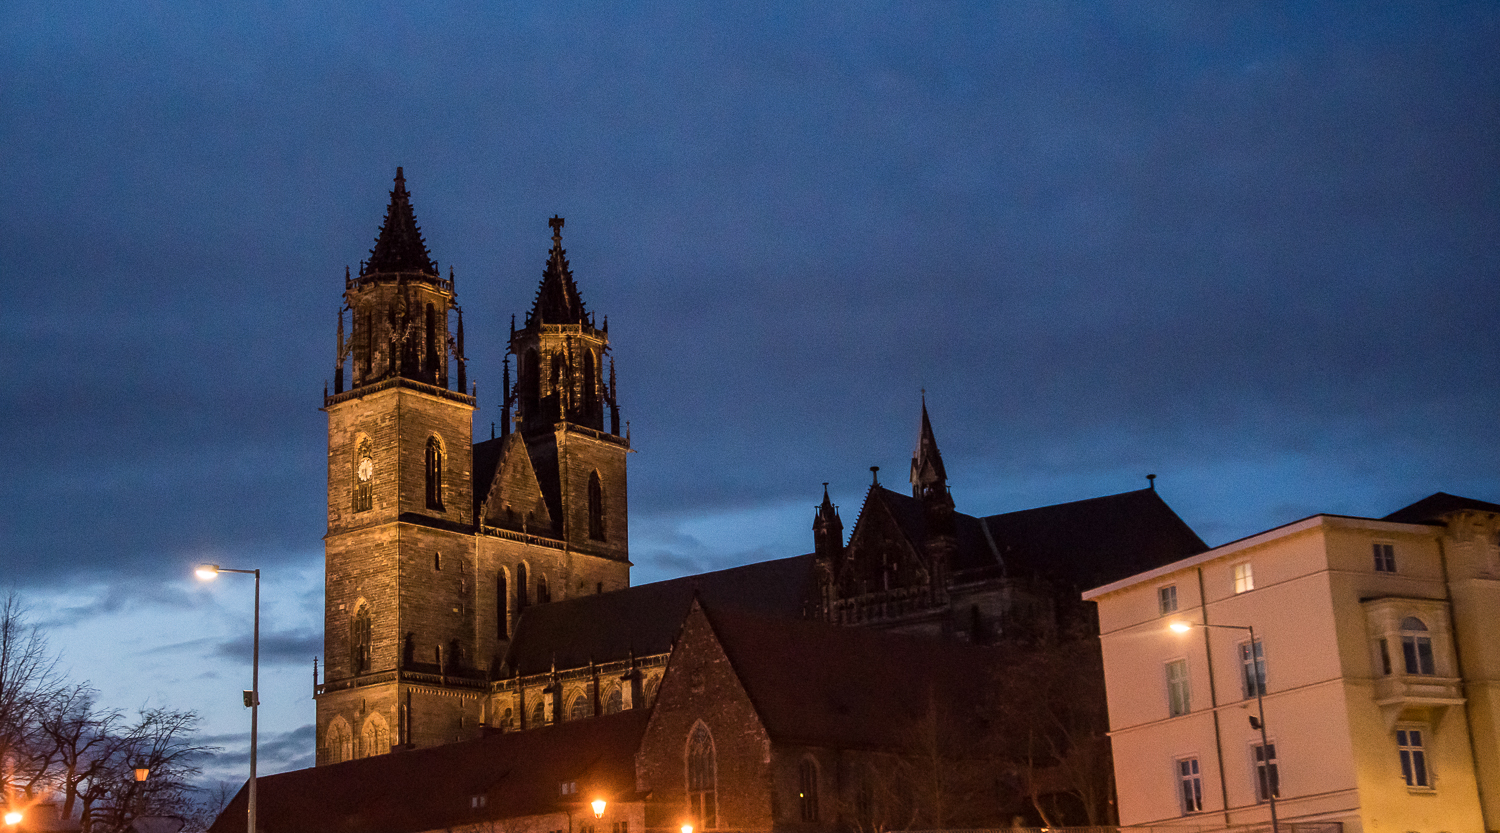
(1377, 654)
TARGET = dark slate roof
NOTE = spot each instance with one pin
(557, 298)
(486, 460)
(974, 552)
(846, 687)
(1433, 507)
(646, 618)
(1090, 543)
(519, 773)
(399, 246)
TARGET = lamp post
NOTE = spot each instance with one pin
(208, 572)
(1272, 777)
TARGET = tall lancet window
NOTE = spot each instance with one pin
(364, 477)
(702, 779)
(596, 507)
(590, 386)
(359, 640)
(435, 474)
(434, 347)
(531, 384)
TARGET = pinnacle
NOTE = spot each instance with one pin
(399, 246)
(926, 461)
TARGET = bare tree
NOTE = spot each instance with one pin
(28, 681)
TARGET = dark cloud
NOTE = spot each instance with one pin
(276, 752)
(1227, 246)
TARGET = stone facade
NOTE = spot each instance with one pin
(436, 546)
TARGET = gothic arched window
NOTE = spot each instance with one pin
(364, 326)
(580, 708)
(523, 594)
(364, 477)
(596, 507)
(502, 606)
(539, 713)
(807, 789)
(339, 742)
(590, 385)
(702, 779)
(434, 348)
(531, 384)
(359, 640)
(615, 702)
(377, 738)
(435, 473)
(543, 592)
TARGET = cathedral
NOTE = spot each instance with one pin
(482, 588)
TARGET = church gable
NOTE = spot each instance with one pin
(515, 499)
(884, 550)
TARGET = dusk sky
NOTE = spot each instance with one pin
(1252, 250)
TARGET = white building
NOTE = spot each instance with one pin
(1377, 647)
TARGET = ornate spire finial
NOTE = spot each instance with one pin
(557, 224)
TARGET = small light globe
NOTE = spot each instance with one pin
(13, 818)
(1180, 627)
(207, 571)
(598, 805)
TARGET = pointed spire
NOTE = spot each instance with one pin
(927, 472)
(399, 246)
(557, 299)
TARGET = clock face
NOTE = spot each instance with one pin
(366, 469)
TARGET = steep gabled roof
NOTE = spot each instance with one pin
(557, 298)
(519, 774)
(926, 461)
(645, 619)
(399, 247)
(846, 687)
(1435, 506)
(974, 552)
(1089, 543)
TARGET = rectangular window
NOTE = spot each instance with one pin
(1191, 782)
(622, 827)
(1416, 651)
(1177, 688)
(1385, 657)
(1244, 578)
(1413, 757)
(1385, 558)
(1253, 667)
(1166, 599)
(1267, 778)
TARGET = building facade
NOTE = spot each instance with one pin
(1375, 653)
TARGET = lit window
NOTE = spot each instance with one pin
(1413, 757)
(1416, 646)
(569, 788)
(477, 802)
(807, 790)
(1267, 777)
(1385, 558)
(1191, 782)
(1177, 688)
(1253, 667)
(1244, 578)
(1166, 599)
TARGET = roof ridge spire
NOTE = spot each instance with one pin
(399, 246)
(927, 472)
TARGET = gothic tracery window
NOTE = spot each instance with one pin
(580, 708)
(435, 474)
(702, 778)
(590, 385)
(377, 738)
(338, 741)
(615, 703)
(596, 507)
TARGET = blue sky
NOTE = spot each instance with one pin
(1251, 250)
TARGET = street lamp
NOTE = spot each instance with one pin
(598, 805)
(1272, 776)
(687, 828)
(208, 572)
(12, 818)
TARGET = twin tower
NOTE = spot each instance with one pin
(436, 543)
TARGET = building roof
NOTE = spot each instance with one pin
(1088, 543)
(645, 619)
(846, 687)
(1433, 507)
(518, 773)
(399, 247)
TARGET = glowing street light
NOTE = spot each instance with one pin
(12, 818)
(687, 828)
(598, 805)
(1272, 777)
(208, 572)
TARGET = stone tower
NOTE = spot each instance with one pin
(436, 545)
